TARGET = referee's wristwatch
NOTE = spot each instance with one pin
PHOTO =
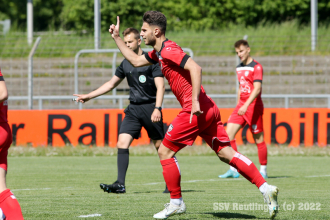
(159, 108)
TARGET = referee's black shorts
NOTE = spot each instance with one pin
(138, 116)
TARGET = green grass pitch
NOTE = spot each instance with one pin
(67, 187)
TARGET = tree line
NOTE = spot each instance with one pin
(194, 15)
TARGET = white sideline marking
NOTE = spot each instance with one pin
(148, 183)
(87, 216)
(30, 189)
(188, 181)
(39, 189)
(225, 179)
(317, 176)
(193, 181)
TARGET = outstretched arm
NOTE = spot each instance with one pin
(106, 87)
(132, 57)
(196, 81)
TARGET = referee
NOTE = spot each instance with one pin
(146, 97)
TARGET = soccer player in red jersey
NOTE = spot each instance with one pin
(9, 206)
(199, 115)
(249, 108)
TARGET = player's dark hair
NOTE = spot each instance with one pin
(132, 30)
(155, 18)
(241, 42)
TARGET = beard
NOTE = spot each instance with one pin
(151, 40)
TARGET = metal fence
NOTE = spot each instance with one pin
(293, 77)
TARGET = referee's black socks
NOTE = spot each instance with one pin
(122, 164)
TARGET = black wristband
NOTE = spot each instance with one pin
(159, 108)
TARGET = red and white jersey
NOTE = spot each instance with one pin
(172, 60)
(3, 106)
(247, 75)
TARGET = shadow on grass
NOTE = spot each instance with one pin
(278, 177)
(190, 190)
(230, 215)
(155, 191)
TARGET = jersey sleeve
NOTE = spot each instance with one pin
(120, 71)
(156, 71)
(258, 72)
(175, 55)
(152, 57)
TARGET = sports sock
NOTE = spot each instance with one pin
(172, 177)
(2, 216)
(176, 201)
(10, 205)
(263, 168)
(245, 167)
(263, 188)
(233, 169)
(166, 189)
(122, 164)
(262, 153)
(233, 144)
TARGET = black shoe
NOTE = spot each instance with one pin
(166, 190)
(116, 187)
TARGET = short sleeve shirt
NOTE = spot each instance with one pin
(247, 75)
(172, 60)
(140, 80)
(3, 106)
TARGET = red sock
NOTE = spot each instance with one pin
(172, 177)
(245, 167)
(262, 153)
(10, 206)
(233, 144)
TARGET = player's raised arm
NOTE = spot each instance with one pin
(132, 57)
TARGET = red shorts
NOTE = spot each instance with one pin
(208, 125)
(5, 142)
(253, 117)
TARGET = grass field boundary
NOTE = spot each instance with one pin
(149, 150)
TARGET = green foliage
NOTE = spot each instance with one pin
(45, 13)
(15, 10)
(77, 16)
(287, 38)
(195, 15)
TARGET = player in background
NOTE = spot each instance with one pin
(9, 206)
(199, 115)
(249, 108)
(147, 90)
